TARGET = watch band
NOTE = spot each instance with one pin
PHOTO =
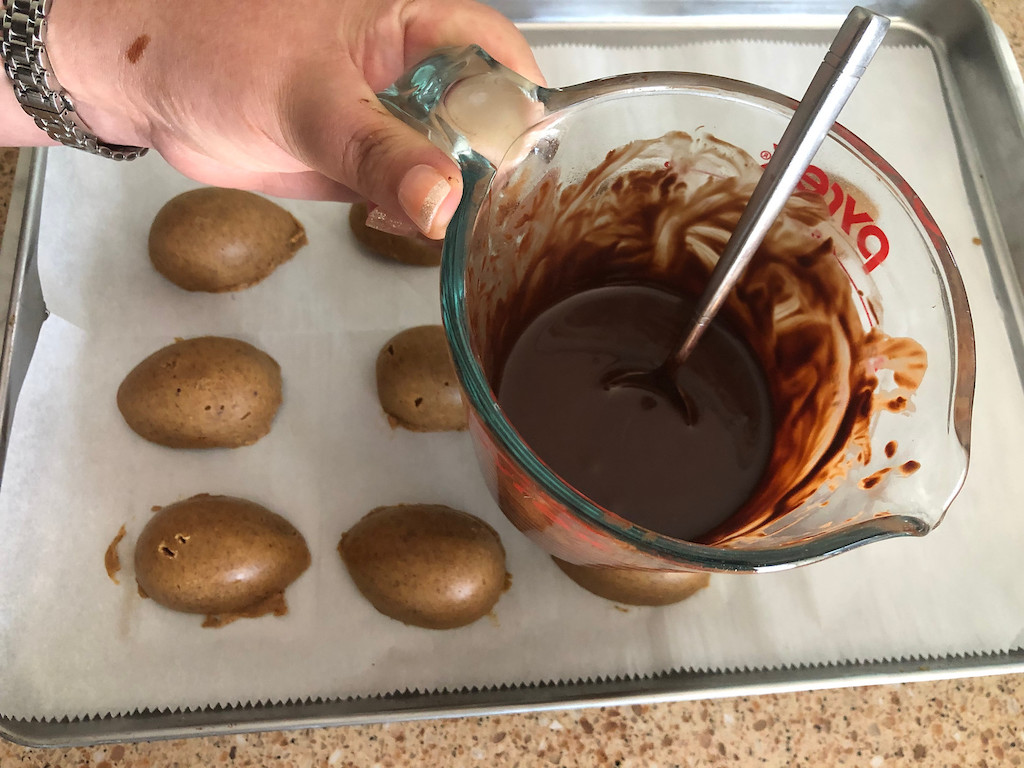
(23, 49)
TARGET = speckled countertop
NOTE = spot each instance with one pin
(973, 722)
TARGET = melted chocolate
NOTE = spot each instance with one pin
(630, 449)
(658, 213)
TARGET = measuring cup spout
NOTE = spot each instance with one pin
(466, 103)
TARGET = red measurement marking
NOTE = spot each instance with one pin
(872, 242)
(872, 320)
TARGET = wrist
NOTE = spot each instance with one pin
(89, 44)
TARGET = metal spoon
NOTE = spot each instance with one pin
(851, 51)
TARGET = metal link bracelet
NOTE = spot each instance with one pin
(23, 50)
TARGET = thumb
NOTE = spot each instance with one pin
(353, 139)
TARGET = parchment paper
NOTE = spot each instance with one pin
(73, 643)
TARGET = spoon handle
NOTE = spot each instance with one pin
(851, 51)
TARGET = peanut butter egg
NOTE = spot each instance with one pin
(426, 565)
(218, 240)
(635, 587)
(416, 250)
(206, 392)
(417, 384)
(221, 556)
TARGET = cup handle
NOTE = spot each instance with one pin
(465, 103)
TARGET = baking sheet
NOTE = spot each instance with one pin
(329, 459)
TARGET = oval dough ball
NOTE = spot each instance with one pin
(219, 555)
(417, 250)
(635, 587)
(207, 392)
(417, 384)
(425, 564)
(218, 240)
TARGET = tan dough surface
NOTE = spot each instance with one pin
(426, 564)
(218, 240)
(112, 558)
(417, 383)
(219, 555)
(206, 392)
(634, 587)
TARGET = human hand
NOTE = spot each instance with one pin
(275, 97)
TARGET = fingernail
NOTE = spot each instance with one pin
(424, 196)
(383, 221)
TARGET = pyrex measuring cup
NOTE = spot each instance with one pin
(882, 462)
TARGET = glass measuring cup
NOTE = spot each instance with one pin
(519, 144)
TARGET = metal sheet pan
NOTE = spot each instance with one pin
(983, 92)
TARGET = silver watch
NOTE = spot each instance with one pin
(24, 53)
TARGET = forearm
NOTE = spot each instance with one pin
(17, 129)
(96, 50)
(87, 55)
